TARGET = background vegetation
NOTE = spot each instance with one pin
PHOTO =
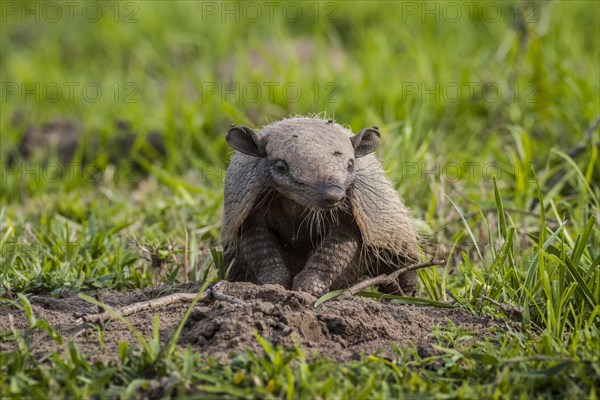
(489, 114)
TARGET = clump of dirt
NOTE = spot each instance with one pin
(339, 329)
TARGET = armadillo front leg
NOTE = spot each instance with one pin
(262, 252)
(331, 259)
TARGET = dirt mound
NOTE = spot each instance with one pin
(340, 329)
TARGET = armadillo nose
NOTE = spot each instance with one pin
(333, 195)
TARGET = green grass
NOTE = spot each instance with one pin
(490, 180)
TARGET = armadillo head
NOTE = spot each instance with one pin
(311, 161)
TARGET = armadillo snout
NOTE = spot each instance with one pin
(332, 196)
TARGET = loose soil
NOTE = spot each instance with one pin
(339, 329)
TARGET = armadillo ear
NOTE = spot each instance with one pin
(365, 142)
(245, 140)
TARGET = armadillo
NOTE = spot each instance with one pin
(308, 206)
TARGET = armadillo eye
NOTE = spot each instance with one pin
(280, 167)
(350, 165)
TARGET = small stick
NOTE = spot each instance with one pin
(141, 306)
(391, 278)
(218, 295)
(162, 302)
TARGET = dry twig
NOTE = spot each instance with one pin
(141, 306)
(390, 279)
(218, 295)
(213, 293)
